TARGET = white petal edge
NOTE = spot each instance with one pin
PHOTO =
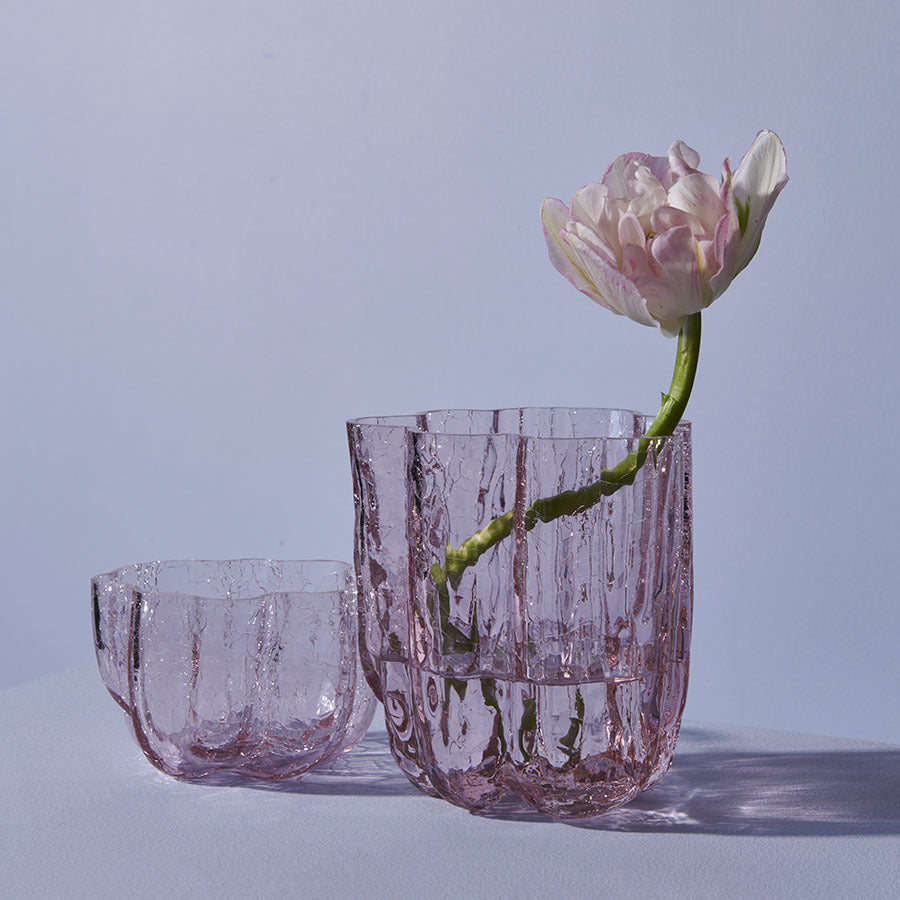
(758, 181)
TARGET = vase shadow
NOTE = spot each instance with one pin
(729, 792)
(719, 791)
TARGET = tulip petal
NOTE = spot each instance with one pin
(554, 218)
(594, 240)
(630, 231)
(592, 208)
(680, 291)
(611, 288)
(727, 238)
(618, 176)
(683, 160)
(589, 204)
(758, 181)
(636, 262)
(666, 217)
(698, 194)
(671, 327)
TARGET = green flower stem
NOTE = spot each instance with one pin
(568, 502)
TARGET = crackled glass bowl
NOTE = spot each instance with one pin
(554, 663)
(247, 665)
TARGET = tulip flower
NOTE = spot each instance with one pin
(658, 240)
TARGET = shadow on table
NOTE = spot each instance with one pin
(368, 770)
(729, 792)
(708, 792)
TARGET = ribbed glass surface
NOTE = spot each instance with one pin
(556, 665)
(243, 665)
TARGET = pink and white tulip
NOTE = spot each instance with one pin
(656, 239)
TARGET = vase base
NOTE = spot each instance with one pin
(573, 751)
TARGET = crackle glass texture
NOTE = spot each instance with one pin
(245, 666)
(557, 666)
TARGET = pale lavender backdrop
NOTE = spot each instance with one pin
(226, 227)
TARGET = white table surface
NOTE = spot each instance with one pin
(742, 813)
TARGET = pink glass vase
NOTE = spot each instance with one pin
(555, 666)
(246, 666)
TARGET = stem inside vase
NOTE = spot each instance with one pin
(546, 509)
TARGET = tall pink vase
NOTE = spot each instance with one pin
(556, 667)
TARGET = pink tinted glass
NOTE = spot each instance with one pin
(556, 666)
(244, 665)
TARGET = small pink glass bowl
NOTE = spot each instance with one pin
(241, 665)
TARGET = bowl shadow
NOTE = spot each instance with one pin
(367, 770)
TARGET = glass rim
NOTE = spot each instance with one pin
(681, 429)
(126, 576)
